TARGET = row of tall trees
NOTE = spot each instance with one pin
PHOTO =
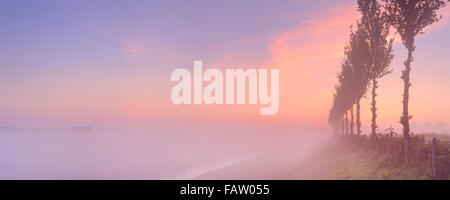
(368, 56)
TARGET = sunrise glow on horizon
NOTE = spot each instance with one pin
(109, 66)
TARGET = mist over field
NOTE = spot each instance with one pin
(359, 89)
(93, 154)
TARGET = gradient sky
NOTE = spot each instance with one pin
(108, 63)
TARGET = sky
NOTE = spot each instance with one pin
(107, 64)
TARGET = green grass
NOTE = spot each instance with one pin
(356, 157)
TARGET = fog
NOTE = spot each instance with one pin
(152, 154)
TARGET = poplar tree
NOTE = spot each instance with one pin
(409, 18)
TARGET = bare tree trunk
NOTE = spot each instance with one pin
(374, 108)
(404, 120)
(352, 124)
(358, 115)
(342, 126)
(346, 122)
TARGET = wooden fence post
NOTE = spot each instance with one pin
(391, 142)
(433, 158)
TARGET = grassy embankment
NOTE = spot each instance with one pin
(357, 157)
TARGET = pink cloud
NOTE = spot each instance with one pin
(322, 37)
(134, 49)
(309, 57)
